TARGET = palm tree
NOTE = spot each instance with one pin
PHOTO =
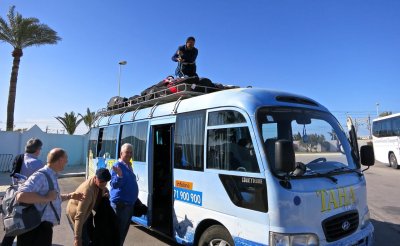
(21, 33)
(89, 118)
(70, 122)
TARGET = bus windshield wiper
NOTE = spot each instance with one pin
(345, 169)
(324, 175)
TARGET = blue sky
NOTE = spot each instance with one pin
(344, 54)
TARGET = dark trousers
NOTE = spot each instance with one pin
(124, 214)
(41, 235)
(7, 240)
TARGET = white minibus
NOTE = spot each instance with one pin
(241, 166)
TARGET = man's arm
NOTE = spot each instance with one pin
(178, 54)
(175, 56)
(33, 197)
(117, 179)
(29, 191)
(74, 195)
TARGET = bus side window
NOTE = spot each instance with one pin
(396, 127)
(231, 149)
(99, 143)
(135, 134)
(93, 142)
(108, 143)
(229, 144)
(189, 141)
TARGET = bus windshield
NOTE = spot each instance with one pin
(318, 140)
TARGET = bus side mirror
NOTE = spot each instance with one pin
(367, 155)
(284, 156)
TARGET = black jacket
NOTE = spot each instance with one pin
(105, 230)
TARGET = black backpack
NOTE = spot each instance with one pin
(17, 164)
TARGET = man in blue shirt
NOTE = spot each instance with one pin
(124, 190)
(31, 162)
(186, 57)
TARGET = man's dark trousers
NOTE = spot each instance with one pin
(41, 235)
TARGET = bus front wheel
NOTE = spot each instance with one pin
(393, 161)
(216, 235)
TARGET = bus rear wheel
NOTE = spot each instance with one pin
(216, 235)
(393, 161)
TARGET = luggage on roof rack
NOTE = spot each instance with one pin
(169, 83)
(116, 102)
(167, 90)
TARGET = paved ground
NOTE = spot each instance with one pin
(383, 201)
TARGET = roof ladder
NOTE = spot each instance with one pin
(109, 119)
(135, 113)
(122, 115)
(177, 105)
(152, 110)
(98, 117)
(97, 121)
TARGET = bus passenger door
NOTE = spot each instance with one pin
(162, 178)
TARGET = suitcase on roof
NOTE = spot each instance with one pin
(173, 86)
(116, 102)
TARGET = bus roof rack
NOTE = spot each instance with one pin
(183, 91)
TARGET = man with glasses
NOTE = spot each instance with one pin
(78, 212)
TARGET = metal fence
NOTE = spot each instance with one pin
(6, 162)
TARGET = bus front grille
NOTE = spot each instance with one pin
(341, 225)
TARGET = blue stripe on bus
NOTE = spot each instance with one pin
(244, 242)
(189, 196)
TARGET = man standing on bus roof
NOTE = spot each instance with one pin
(186, 57)
(124, 190)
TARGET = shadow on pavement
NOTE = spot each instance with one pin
(154, 234)
(386, 233)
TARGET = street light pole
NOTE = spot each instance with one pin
(119, 76)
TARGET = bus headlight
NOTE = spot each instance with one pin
(365, 220)
(280, 239)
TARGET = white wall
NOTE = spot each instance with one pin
(10, 142)
(75, 145)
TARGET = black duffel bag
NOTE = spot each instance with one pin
(116, 102)
(139, 209)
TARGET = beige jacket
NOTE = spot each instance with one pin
(79, 211)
